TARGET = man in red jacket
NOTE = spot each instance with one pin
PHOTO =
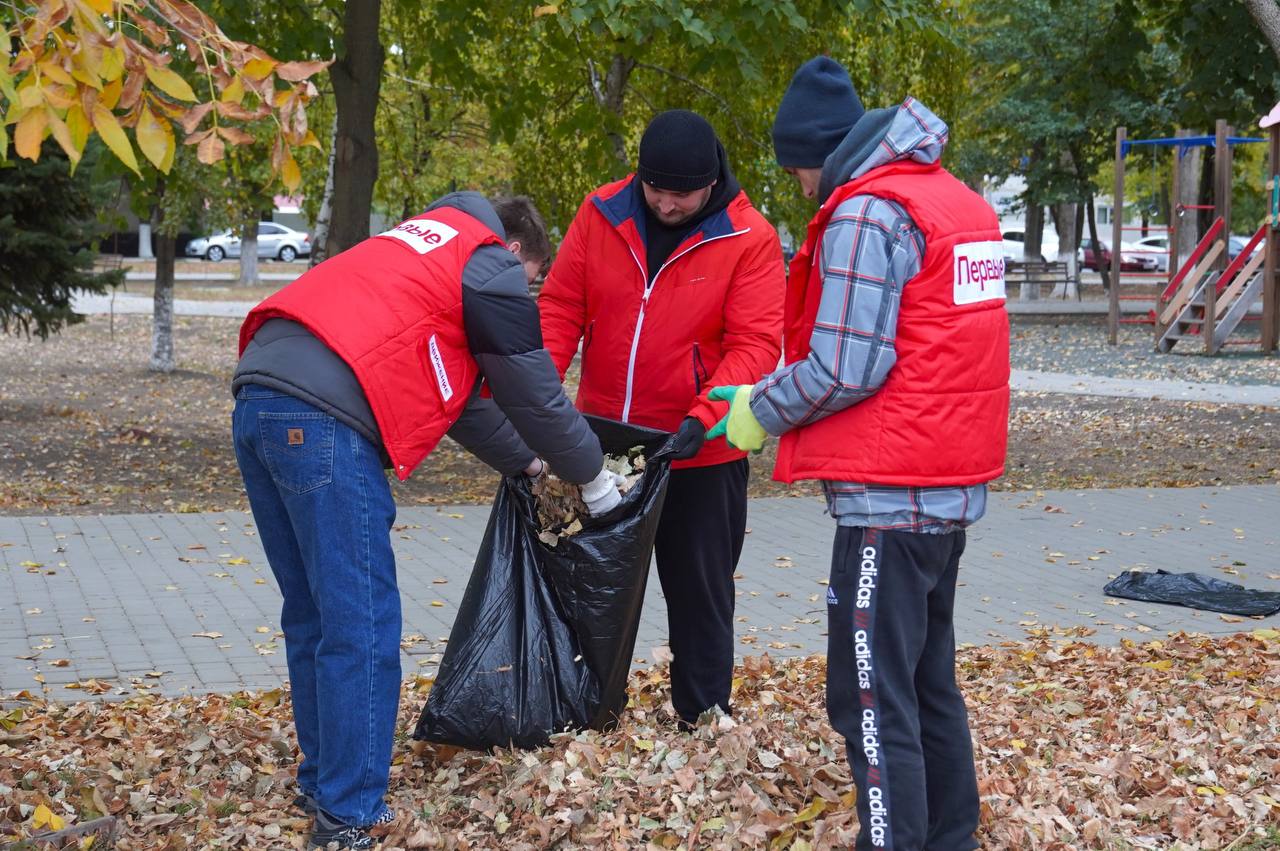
(895, 395)
(672, 283)
(365, 363)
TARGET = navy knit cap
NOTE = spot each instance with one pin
(679, 152)
(818, 110)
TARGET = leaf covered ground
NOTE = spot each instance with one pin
(85, 428)
(1171, 745)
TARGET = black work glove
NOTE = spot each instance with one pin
(689, 438)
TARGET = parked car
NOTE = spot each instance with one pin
(1012, 242)
(274, 241)
(1236, 244)
(1132, 259)
(1157, 247)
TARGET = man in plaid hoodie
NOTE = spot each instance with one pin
(895, 395)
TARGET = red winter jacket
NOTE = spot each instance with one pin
(712, 315)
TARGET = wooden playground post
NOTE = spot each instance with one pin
(1222, 209)
(1175, 217)
(1270, 287)
(1117, 221)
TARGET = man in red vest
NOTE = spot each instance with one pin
(895, 395)
(365, 363)
(671, 282)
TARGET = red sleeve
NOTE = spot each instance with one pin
(562, 303)
(752, 342)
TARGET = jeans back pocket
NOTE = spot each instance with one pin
(298, 449)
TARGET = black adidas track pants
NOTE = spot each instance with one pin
(891, 688)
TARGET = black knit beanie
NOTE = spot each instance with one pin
(678, 152)
(818, 110)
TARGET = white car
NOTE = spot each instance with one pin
(1156, 247)
(1012, 243)
(274, 241)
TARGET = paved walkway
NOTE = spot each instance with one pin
(1031, 380)
(133, 303)
(1261, 395)
(186, 601)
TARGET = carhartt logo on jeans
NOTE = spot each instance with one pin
(295, 437)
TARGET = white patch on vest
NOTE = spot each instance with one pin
(979, 272)
(442, 374)
(422, 235)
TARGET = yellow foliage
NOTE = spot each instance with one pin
(79, 72)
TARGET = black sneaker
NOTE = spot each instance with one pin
(327, 832)
(306, 803)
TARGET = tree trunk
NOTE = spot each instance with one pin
(1104, 269)
(249, 253)
(1190, 169)
(356, 80)
(1267, 14)
(1204, 193)
(610, 94)
(320, 236)
(162, 311)
(1031, 242)
(144, 241)
(1066, 221)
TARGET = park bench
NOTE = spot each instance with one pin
(1037, 274)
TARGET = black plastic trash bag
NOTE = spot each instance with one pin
(1194, 590)
(544, 636)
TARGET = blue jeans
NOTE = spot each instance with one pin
(324, 512)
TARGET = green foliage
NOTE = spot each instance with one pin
(46, 232)
(1056, 79)
(1224, 66)
(567, 89)
(1250, 201)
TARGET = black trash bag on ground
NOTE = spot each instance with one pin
(544, 636)
(1193, 590)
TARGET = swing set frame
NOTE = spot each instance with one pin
(1207, 254)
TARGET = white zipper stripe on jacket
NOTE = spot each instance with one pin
(644, 300)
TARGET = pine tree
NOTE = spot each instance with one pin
(47, 227)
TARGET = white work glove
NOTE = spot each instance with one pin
(536, 468)
(601, 493)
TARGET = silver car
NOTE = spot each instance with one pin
(274, 241)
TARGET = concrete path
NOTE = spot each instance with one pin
(186, 602)
(126, 303)
(1262, 395)
(1045, 382)
(133, 303)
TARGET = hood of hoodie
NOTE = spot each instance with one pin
(474, 205)
(909, 131)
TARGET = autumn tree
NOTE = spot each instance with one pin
(77, 68)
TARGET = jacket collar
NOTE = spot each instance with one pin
(623, 202)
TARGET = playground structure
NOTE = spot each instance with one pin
(1207, 296)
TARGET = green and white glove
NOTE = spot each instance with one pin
(739, 427)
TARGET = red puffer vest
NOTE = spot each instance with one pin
(941, 417)
(391, 307)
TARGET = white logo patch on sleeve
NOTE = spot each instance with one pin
(442, 374)
(422, 235)
(979, 272)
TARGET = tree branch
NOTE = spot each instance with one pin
(1267, 15)
(724, 104)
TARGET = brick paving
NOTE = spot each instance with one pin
(186, 602)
